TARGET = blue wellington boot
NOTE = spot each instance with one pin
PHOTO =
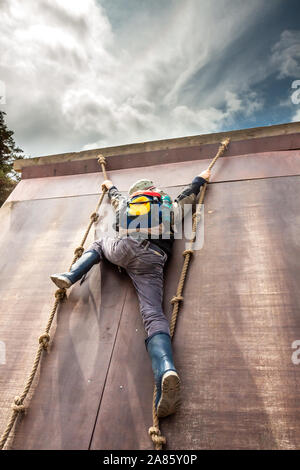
(166, 378)
(81, 267)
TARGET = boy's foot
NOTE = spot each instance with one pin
(61, 281)
(170, 394)
(78, 269)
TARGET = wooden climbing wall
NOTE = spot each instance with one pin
(233, 344)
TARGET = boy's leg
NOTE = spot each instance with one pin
(111, 248)
(145, 267)
(78, 269)
(146, 272)
(114, 249)
(149, 289)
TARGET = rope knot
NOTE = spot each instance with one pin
(176, 298)
(196, 216)
(225, 143)
(101, 159)
(78, 251)
(44, 340)
(60, 294)
(157, 438)
(94, 217)
(188, 251)
(18, 405)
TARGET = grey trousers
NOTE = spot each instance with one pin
(146, 270)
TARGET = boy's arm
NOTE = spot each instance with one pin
(189, 195)
(114, 195)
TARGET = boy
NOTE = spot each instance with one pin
(145, 223)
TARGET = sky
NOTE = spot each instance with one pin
(77, 75)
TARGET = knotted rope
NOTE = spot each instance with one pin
(154, 431)
(44, 339)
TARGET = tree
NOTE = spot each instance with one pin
(8, 154)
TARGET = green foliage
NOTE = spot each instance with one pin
(8, 154)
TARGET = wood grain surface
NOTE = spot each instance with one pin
(233, 343)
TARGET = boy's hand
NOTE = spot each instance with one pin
(205, 174)
(106, 185)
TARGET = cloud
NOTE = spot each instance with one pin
(286, 54)
(53, 50)
(210, 119)
(75, 79)
(296, 116)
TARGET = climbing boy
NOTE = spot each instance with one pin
(145, 225)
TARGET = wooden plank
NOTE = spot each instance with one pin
(239, 329)
(175, 155)
(125, 412)
(232, 347)
(251, 166)
(204, 140)
(38, 238)
(233, 342)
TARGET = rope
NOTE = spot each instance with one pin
(154, 431)
(102, 162)
(60, 294)
(44, 339)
